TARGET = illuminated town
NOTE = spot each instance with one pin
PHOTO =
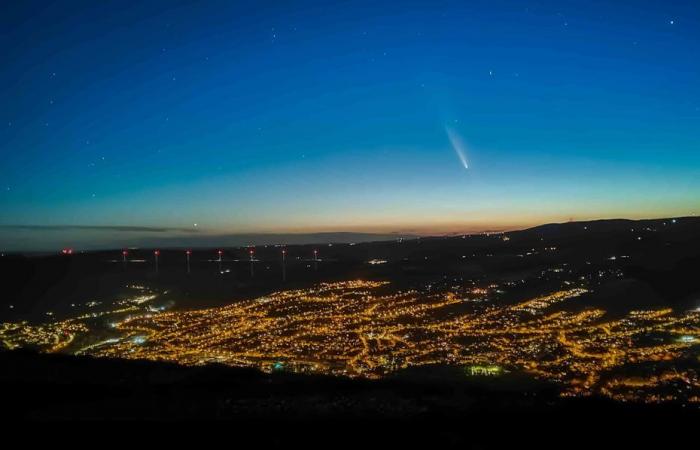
(369, 329)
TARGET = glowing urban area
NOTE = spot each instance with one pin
(540, 325)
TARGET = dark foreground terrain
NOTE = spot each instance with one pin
(37, 386)
(281, 409)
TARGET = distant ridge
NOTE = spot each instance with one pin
(31, 239)
(608, 224)
(340, 237)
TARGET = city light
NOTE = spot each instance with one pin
(365, 329)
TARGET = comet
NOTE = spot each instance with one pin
(458, 146)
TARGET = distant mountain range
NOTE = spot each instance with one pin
(31, 238)
(50, 238)
(234, 240)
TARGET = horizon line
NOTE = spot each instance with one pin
(384, 235)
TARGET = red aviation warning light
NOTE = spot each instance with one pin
(67, 251)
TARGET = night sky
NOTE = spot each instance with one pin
(397, 117)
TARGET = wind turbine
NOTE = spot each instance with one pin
(284, 264)
(251, 252)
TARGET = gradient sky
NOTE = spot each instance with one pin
(345, 116)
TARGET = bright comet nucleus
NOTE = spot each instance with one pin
(458, 146)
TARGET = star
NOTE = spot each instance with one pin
(671, 22)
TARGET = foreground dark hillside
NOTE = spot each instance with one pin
(247, 409)
(40, 386)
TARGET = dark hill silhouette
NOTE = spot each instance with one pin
(661, 253)
(35, 386)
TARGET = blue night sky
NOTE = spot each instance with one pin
(281, 117)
